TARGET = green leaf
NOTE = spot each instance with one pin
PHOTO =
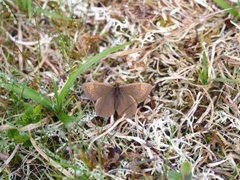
(174, 175)
(186, 170)
(31, 114)
(66, 119)
(17, 137)
(224, 5)
(29, 93)
(85, 66)
(25, 92)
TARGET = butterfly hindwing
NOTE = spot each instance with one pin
(104, 106)
(126, 105)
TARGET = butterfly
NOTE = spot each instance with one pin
(121, 99)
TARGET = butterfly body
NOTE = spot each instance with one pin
(121, 99)
(116, 94)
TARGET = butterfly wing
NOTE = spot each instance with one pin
(126, 104)
(139, 91)
(104, 106)
(95, 91)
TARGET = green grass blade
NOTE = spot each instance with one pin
(66, 119)
(174, 175)
(85, 66)
(224, 5)
(26, 6)
(203, 74)
(227, 80)
(26, 92)
(57, 104)
(50, 14)
(186, 170)
(30, 8)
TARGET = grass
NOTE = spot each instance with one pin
(226, 6)
(185, 172)
(56, 105)
(187, 129)
(203, 74)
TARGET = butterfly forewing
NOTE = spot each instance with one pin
(126, 105)
(96, 90)
(139, 91)
(105, 105)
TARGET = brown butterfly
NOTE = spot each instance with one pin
(121, 99)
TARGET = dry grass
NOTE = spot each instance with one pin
(184, 119)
